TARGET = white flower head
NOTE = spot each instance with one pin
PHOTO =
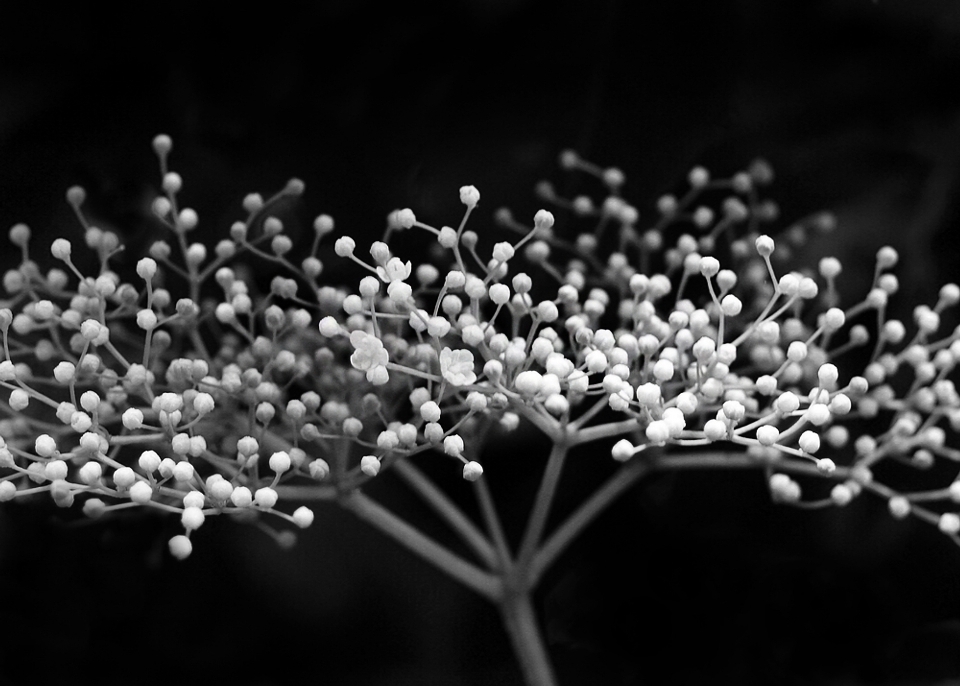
(369, 351)
(395, 270)
(456, 367)
(469, 196)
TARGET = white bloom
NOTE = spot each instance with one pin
(369, 351)
(456, 367)
(395, 270)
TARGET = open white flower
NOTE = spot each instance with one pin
(456, 367)
(369, 351)
(395, 270)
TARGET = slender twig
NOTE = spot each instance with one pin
(447, 510)
(599, 500)
(493, 523)
(469, 575)
(541, 505)
(635, 470)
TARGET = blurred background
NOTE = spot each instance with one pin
(688, 579)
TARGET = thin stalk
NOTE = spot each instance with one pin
(574, 525)
(636, 469)
(453, 565)
(541, 506)
(492, 521)
(447, 510)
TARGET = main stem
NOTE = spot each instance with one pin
(520, 621)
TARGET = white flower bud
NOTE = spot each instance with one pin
(45, 446)
(280, 462)
(472, 471)
(370, 465)
(715, 430)
(303, 517)
(141, 492)
(192, 518)
(265, 497)
(180, 547)
(767, 435)
(949, 523)
(124, 478)
(809, 442)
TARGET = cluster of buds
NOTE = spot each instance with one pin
(196, 388)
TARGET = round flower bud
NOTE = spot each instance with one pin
(787, 402)
(60, 249)
(303, 517)
(704, 349)
(90, 401)
(241, 496)
(453, 445)
(180, 547)
(663, 370)
(141, 492)
(765, 246)
(767, 435)
(687, 402)
(64, 372)
(370, 465)
(715, 430)
(826, 466)
(124, 478)
(887, 257)
(841, 495)
(472, 471)
(344, 246)
(147, 319)
(56, 470)
(899, 506)
(528, 383)
(194, 499)
(265, 497)
(709, 266)
(149, 461)
(797, 351)
(809, 442)
(46, 446)
(469, 196)
(648, 394)
(280, 462)
(183, 471)
(949, 523)
(657, 431)
(731, 305)
(192, 518)
(90, 473)
(766, 384)
(203, 403)
(147, 268)
(622, 450)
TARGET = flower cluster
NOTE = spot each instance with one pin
(191, 387)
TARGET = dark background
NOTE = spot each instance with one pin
(692, 579)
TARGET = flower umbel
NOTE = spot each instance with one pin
(179, 383)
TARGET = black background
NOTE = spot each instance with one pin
(692, 579)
